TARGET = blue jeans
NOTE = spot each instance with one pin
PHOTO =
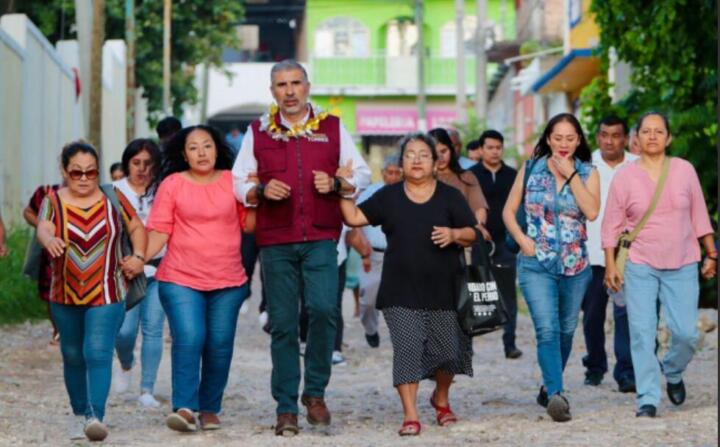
(678, 291)
(285, 268)
(150, 315)
(87, 338)
(202, 326)
(554, 302)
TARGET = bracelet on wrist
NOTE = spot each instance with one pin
(139, 256)
(337, 185)
(712, 258)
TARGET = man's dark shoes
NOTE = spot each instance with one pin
(373, 340)
(676, 392)
(593, 379)
(542, 397)
(646, 411)
(513, 353)
(317, 411)
(287, 425)
(626, 386)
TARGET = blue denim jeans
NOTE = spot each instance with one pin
(202, 326)
(678, 291)
(87, 339)
(149, 315)
(554, 302)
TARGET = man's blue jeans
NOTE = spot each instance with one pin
(87, 339)
(202, 326)
(149, 315)
(284, 268)
(678, 291)
(554, 302)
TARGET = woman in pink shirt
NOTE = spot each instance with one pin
(663, 259)
(202, 283)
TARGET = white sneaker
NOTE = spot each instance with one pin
(121, 380)
(263, 318)
(245, 307)
(338, 359)
(95, 430)
(76, 427)
(147, 400)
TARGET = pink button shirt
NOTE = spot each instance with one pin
(204, 224)
(669, 239)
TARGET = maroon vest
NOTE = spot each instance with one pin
(306, 215)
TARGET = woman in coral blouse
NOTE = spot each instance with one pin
(663, 259)
(202, 283)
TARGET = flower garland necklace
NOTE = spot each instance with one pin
(269, 124)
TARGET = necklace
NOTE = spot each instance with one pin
(270, 123)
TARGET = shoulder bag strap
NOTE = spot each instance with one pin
(109, 192)
(656, 198)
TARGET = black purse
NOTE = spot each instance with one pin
(479, 306)
(520, 216)
(137, 287)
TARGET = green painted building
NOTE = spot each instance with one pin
(362, 56)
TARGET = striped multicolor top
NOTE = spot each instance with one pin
(88, 273)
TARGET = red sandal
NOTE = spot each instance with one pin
(410, 428)
(444, 415)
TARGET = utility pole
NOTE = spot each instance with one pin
(96, 62)
(421, 100)
(167, 22)
(481, 62)
(460, 96)
(130, 69)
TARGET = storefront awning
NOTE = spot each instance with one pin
(570, 74)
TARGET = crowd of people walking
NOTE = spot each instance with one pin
(188, 218)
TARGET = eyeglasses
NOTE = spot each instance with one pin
(422, 156)
(90, 174)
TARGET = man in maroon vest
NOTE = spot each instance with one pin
(295, 149)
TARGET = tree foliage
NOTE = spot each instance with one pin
(201, 30)
(672, 48)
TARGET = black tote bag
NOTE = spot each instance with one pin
(479, 304)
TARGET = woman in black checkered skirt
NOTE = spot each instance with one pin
(426, 223)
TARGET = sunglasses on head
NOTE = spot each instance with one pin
(90, 174)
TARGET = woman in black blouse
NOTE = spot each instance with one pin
(426, 223)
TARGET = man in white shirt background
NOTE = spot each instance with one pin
(612, 139)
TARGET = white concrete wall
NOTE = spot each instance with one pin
(37, 112)
(40, 113)
(249, 86)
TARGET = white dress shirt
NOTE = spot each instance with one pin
(606, 172)
(246, 163)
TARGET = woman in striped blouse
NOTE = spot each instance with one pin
(81, 232)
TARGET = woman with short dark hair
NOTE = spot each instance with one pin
(426, 223)
(662, 264)
(202, 283)
(561, 194)
(81, 231)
